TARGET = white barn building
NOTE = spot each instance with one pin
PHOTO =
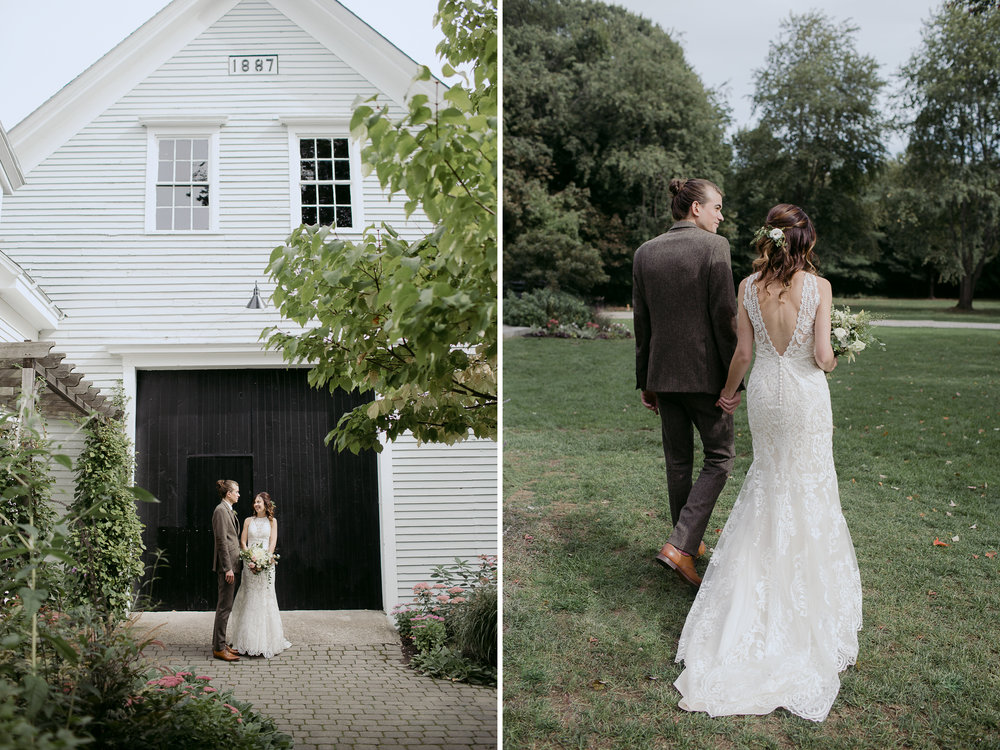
(156, 185)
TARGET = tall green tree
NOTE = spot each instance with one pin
(412, 321)
(818, 143)
(601, 111)
(953, 156)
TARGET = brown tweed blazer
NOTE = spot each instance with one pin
(684, 304)
(227, 538)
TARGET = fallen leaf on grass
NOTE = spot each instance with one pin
(932, 593)
(599, 685)
(939, 543)
(975, 557)
(991, 555)
(592, 639)
(952, 503)
(973, 526)
(954, 538)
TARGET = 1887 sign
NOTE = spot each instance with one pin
(253, 65)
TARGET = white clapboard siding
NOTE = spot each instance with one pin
(77, 226)
(444, 506)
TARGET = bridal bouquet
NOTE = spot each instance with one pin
(852, 332)
(259, 558)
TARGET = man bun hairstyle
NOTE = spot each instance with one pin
(686, 192)
(223, 486)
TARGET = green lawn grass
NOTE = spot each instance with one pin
(591, 623)
(984, 311)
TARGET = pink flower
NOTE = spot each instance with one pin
(456, 590)
(171, 680)
(208, 690)
(439, 585)
(203, 677)
(421, 587)
(459, 600)
(443, 598)
(231, 708)
(185, 674)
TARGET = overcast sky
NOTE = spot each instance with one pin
(726, 40)
(45, 44)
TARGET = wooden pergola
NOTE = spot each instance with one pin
(63, 393)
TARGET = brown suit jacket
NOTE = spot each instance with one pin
(227, 538)
(684, 305)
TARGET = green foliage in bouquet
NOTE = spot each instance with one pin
(852, 332)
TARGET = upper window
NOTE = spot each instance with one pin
(183, 188)
(325, 188)
(182, 173)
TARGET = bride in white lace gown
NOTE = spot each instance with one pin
(778, 612)
(255, 624)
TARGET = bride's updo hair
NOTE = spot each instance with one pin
(779, 259)
(686, 192)
(268, 504)
(223, 486)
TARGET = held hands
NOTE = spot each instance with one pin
(648, 399)
(731, 403)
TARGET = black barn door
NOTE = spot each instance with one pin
(265, 430)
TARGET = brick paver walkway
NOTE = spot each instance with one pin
(348, 695)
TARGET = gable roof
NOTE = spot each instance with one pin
(84, 98)
(10, 170)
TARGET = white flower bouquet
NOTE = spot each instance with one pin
(258, 558)
(851, 332)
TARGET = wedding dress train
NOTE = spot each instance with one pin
(255, 623)
(777, 615)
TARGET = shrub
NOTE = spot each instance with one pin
(180, 709)
(475, 626)
(26, 510)
(538, 307)
(448, 663)
(451, 622)
(106, 538)
(603, 330)
(429, 632)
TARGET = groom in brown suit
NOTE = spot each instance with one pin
(685, 335)
(226, 563)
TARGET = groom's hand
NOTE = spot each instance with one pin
(230, 576)
(729, 405)
(649, 401)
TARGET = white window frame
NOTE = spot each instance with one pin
(200, 128)
(311, 128)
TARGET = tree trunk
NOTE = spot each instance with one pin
(931, 278)
(966, 286)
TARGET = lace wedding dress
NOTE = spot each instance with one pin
(255, 624)
(778, 612)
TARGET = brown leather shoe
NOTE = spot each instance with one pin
(232, 650)
(701, 550)
(671, 557)
(225, 655)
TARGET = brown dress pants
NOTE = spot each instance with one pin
(227, 592)
(691, 505)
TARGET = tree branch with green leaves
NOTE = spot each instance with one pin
(413, 322)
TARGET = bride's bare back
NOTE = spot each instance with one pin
(780, 312)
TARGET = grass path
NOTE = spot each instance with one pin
(591, 625)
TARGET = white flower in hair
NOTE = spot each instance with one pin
(777, 236)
